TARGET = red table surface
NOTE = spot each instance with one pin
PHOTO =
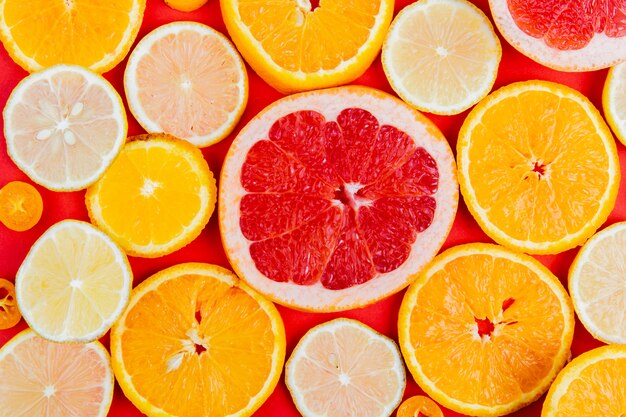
(383, 315)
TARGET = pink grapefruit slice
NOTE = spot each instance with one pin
(334, 199)
(574, 35)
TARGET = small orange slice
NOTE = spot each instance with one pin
(419, 406)
(21, 206)
(9, 313)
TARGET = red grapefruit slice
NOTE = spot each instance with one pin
(334, 199)
(573, 35)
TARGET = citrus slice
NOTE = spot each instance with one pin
(576, 35)
(419, 406)
(96, 35)
(9, 313)
(21, 206)
(538, 167)
(591, 385)
(41, 378)
(485, 330)
(188, 80)
(73, 284)
(597, 284)
(441, 56)
(156, 198)
(344, 365)
(196, 340)
(64, 126)
(185, 5)
(614, 101)
(334, 199)
(294, 46)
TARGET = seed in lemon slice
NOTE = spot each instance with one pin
(538, 167)
(196, 341)
(186, 79)
(42, 378)
(597, 284)
(485, 330)
(345, 365)
(441, 56)
(156, 197)
(419, 406)
(64, 126)
(614, 100)
(295, 47)
(591, 385)
(73, 284)
(93, 34)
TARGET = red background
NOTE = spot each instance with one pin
(207, 248)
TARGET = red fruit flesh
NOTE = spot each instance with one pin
(335, 202)
(570, 24)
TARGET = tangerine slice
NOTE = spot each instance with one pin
(21, 206)
(9, 313)
(419, 406)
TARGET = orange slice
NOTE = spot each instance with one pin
(185, 5)
(9, 313)
(21, 206)
(344, 365)
(485, 330)
(73, 284)
(295, 47)
(441, 56)
(156, 198)
(186, 79)
(591, 385)
(419, 406)
(40, 378)
(538, 167)
(97, 35)
(334, 199)
(195, 340)
(64, 126)
(614, 101)
(596, 284)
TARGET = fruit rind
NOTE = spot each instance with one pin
(615, 76)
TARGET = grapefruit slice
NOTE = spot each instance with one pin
(334, 199)
(574, 35)
(41, 378)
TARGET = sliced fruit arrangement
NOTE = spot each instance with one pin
(419, 406)
(42, 378)
(591, 385)
(295, 47)
(538, 167)
(485, 330)
(577, 35)
(194, 339)
(64, 126)
(186, 79)
(74, 283)
(334, 199)
(441, 56)
(9, 313)
(21, 206)
(156, 198)
(614, 101)
(41, 33)
(596, 284)
(345, 365)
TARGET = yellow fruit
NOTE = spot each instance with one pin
(185, 5)
(614, 100)
(195, 341)
(538, 167)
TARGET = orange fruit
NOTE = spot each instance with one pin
(294, 47)
(441, 56)
(334, 199)
(343, 366)
(419, 406)
(64, 126)
(614, 101)
(41, 33)
(73, 284)
(156, 197)
(591, 385)
(596, 284)
(21, 206)
(538, 167)
(42, 378)
(581, 35)
(186, 79)
(485, 330)
(9, 313)
(185, 5)
(195, 340)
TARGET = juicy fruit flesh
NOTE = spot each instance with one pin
(21, 206)
(569, 25)
(9, 313)
(335, 202)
